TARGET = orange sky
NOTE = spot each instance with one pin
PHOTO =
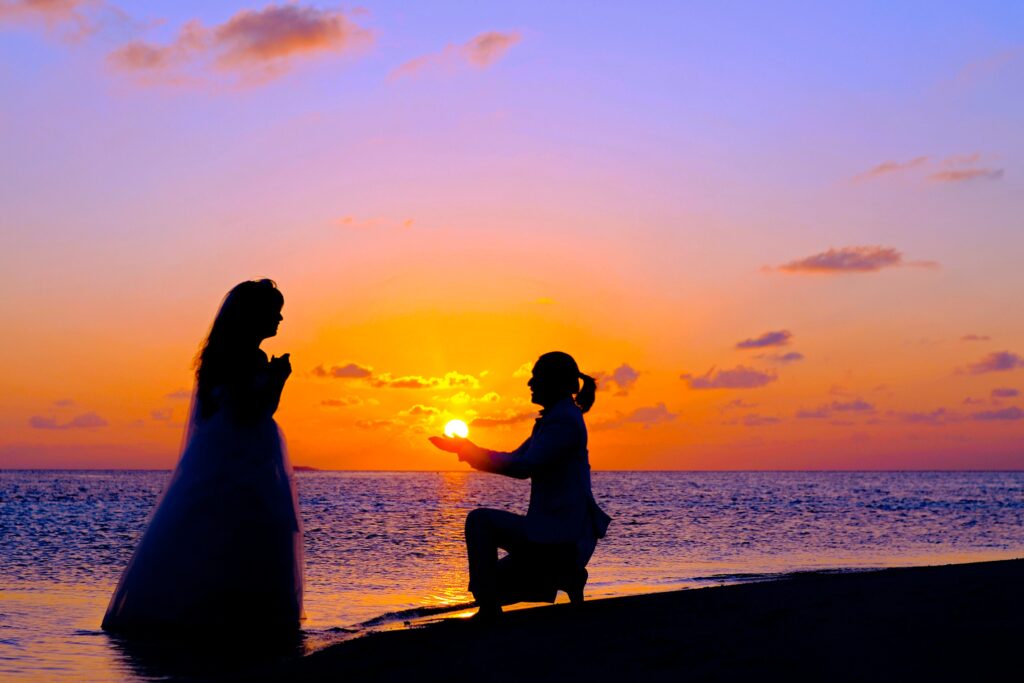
(779, 254)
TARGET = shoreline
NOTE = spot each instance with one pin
(946, 621)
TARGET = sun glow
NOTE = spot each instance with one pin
(456, 428)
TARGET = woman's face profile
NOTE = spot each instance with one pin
(269, 322)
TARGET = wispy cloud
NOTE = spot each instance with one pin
(966, 174)
(860, 259)
(621, 379)
(890, 167)
(482, 51)
(755, 420)
(348, 402)
(740, 377)
(975, 337)
(857, 405)
(998, 361)
(952, 169)
(71, 20)
(257, 44)
(776, 338)
(783, 358)
(64, 403)
(1004, 392)
(85, 421)
(1012, 413)
(179, 395)
(935, 418)
(646, 416)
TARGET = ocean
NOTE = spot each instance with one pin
(384, 547)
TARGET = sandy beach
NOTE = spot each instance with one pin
(926, 623)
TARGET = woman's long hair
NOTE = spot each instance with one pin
(244, 308)
(560, 370)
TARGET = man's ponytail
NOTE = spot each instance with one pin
(587, 393)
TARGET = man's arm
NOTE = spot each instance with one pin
(553, 441)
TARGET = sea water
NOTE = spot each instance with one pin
(392, 543)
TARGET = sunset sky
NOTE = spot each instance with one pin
(783, 238)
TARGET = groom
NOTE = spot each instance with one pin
(549, 547)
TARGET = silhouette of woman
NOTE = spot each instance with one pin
(549, 547)
(224, 544)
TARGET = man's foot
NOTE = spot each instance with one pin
(575, 589)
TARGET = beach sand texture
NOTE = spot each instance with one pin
(954, 622)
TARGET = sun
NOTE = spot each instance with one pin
(456, 428)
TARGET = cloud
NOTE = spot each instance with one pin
(889, 167)
(420, 409)
(348, 402)
(1004, 392)
(85, 421)
(647, 416)
(858, 405)
(783, 358)
(347, 371)
(81, 18)
(755, 420)
(966, 174)
(740, 377)
(623, 377)
(524, 370)
(1012, 413)
(998, 361)
(63, 403)
(463, 398)
(975, 337)
(777, 338)
(509, 418)
(481, 51)
(263, 42)
(161, 414)
(450, 380)
(737, 404)
(179, 395)
(861, 259)
(939, 416)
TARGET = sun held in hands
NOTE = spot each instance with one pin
(456, 428)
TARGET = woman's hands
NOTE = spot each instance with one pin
(281, 367)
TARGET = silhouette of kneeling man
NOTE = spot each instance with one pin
(548, 548)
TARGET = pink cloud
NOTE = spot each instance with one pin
(889, 167)
(966, 174)
(481, 51)
(861, 259)
(739, 377)
(777, 338)
(998, 361)
(623, 377)
(1004, 392)
(791, 357)
(264, 43)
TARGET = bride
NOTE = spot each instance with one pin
(224, 545)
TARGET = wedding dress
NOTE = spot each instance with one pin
(224, 544)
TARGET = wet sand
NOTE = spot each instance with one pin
(941, 623)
